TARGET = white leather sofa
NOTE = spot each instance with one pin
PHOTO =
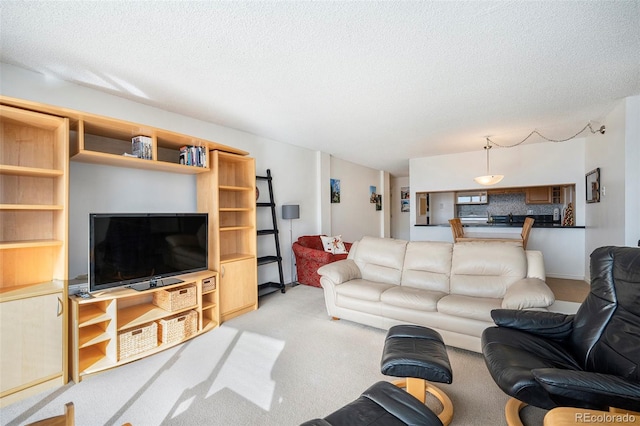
(450, 288)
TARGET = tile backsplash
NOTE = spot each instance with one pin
(503, 204)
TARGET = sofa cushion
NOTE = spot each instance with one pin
(412, 298)
(486, 269)
(362, 289)
(478, 308)
(427, 265)
(381, 259)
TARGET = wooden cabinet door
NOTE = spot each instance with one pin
(238, 288)
(538, 195)
(31, 348)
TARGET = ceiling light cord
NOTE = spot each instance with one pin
(600, 130)
(490, 179)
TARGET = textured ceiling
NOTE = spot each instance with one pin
(375, 83)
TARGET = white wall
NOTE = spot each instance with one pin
(354, 216)
(105, 189)
(399, 219)
(296, 171)
(441, 208)
(632, 171)
(543, 163)
(615, 220)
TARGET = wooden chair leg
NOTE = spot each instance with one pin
(69, 414)
(512, 412)
(419, 389)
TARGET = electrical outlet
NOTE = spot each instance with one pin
(604, 191)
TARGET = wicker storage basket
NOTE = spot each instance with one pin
(178, 327)
(209, 284)
(177, 298)
(136, 340)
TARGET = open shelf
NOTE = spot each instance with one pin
(29, 171)
(9, 245)
(102, 140)
(99, 319)
(137, 315)
(93, 334)
(92, 314)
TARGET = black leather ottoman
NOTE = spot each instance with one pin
(419, 355)
(383, 404)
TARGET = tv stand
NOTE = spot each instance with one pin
(96, 322)
(154, 283)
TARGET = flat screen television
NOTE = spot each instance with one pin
(141, 250)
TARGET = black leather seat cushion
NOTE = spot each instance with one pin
(416, 351)
(511, 355)
(383, 404)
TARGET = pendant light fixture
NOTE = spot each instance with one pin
(488, 179)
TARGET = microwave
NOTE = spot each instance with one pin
(471, 197)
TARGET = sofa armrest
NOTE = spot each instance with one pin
(340, 271)
(551, 325)
(528, 293)
(535, 264)
(603, 390)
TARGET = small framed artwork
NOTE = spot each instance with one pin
(372, 194)
(335, 190)
(404, 199)
(379, 202)
(592, 186)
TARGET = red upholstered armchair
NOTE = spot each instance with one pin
(310, 256)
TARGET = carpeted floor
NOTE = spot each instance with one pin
(281, 365)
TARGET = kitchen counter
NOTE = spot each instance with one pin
(562, 246)
(508, 225)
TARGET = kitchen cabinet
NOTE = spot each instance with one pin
(544, 195)
(538, 195)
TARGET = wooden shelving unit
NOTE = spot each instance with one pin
(101, 140)
(96, 321)
(228, 194)
(37, 142)
(33, 251)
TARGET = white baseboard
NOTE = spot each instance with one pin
(567, 277)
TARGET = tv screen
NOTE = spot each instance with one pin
(125, 249)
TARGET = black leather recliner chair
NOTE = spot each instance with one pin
(587, 360)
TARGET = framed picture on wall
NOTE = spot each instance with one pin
(404, 199)
(592, 186)
(372, 194)
(335, 190)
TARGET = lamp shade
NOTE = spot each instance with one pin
(489, 179)
(290, 211)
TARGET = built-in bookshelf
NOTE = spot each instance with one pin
(38, 141)
(228, 194)
(109, 141)
(33, 251)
